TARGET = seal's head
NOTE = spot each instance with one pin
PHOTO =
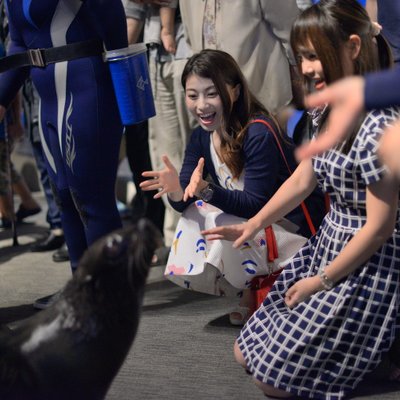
(130, 249)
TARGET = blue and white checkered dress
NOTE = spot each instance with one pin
(323, 347)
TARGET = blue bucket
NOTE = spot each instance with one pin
(130, 75)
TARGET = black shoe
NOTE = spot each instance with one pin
(61, 254)
(52, 242)
(23, 212)
(47, 301)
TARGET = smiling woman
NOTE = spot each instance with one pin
(231, 167)
(333, 312)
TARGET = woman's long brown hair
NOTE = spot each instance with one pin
(328, 25)
(223, 70)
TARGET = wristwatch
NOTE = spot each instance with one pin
(206, 194)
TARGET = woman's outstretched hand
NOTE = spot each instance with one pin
(346, 99)
(237, 233)
(197, 183)
(164, 181)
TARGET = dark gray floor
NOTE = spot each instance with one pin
(183, 349)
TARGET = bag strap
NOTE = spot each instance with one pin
(302, 205)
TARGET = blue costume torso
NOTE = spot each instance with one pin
(79, 118)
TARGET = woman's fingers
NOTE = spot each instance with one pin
(149, 185)
(160, 193)
(150, 174)
(290, 297)
(214, 237)
(200, 165)
(167, 162)
(239, 242)
(218, 230)
(189, 193)
(185, 195)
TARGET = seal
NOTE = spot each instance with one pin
(74, 349)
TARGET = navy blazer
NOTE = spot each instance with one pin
(264, 172)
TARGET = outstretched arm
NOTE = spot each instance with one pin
(291, 193)
(346, 99)
(381, 201)
(372, 8)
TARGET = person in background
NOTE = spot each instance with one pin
(81, 148)
(334, 310)
(256, 34)
(232, 165)
(10, 131)
(137, 137)
(10, 180)
(170, 129)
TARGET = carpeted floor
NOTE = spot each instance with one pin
(184, 351)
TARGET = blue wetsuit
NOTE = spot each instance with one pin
(79, 119)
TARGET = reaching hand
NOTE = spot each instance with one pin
(346, 99)
(165, 181)
(237, 233)
(197, 183)
(302, 290)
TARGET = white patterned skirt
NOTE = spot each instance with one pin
(215, 267)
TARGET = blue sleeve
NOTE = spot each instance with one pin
(262, 173)
(382, 89)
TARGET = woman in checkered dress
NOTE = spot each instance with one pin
(333, 312)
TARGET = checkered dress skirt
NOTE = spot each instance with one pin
(323, 347)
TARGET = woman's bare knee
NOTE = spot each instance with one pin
(239, 355)
(272, 391)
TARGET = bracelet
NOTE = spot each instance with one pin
(327, 282)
